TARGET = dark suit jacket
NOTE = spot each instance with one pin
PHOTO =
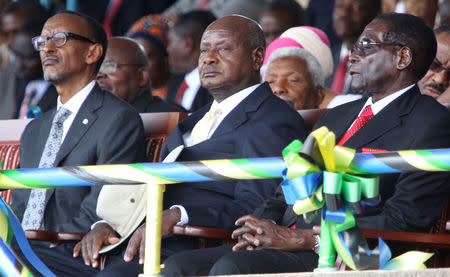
(114, 134)
(202, 98)
(12, 90)
(260, 126)
(146, 103)
(410, 201)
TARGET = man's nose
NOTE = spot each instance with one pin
(210, 57)
(441, 78)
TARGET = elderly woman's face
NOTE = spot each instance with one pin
(291, 80)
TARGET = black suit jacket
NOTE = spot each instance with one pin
(146, 103)
(260, 126)
(410, 201)
(202, 98)
(113, 134)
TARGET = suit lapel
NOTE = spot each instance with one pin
(387, 119)
(78, 129)
(239, 114)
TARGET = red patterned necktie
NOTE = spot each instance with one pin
(180, 92)
(340, 75)
(362, 119)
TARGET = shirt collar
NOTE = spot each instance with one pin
(228, 104)
(75, 102)
(382, 103)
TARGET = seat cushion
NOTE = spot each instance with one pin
(154, 146)
(9, 156)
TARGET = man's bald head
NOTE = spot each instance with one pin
(231, 54)
(127, 50)
(125, 70)
(246, 29)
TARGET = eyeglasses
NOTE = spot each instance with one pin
(110, 67)
(361, 47)
(58, 39)
(437, 67)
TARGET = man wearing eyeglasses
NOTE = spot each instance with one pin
(391, 55)
(436, 81)
(89, 126)
(125, 72)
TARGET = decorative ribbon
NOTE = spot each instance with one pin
(342, 165)
(11, 225)
(320, 175)
(10, 265)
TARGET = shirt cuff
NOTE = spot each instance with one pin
(184, 219)
(100, 221)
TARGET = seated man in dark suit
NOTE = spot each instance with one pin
(390, 56)
(244, 120)
(125, 72)
(90, 126)
(184, 89)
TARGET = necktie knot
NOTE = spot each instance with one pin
(61, 115)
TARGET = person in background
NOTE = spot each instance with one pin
(300, 81)
(23, 91)
(184, 89)
(437, 79)
(349, 19)
(125, 72)
(151, 32)
(280, 16)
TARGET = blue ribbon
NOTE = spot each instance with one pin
(23, 242)
(301, 187)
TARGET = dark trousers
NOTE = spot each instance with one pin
(60, 260)
(223, 261)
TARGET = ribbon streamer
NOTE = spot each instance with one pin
(14, 225)
(319, 166)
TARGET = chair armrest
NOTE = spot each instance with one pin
(437, 241)
(204, 232)
(53, 237)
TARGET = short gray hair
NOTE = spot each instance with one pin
(313, 65)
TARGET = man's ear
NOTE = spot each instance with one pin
(144, 77)
(94, 53)
(404, 57)
(258, 57)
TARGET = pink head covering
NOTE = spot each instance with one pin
(313, 40)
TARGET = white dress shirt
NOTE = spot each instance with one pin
(73, 105)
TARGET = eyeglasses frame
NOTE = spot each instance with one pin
(67, 36)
